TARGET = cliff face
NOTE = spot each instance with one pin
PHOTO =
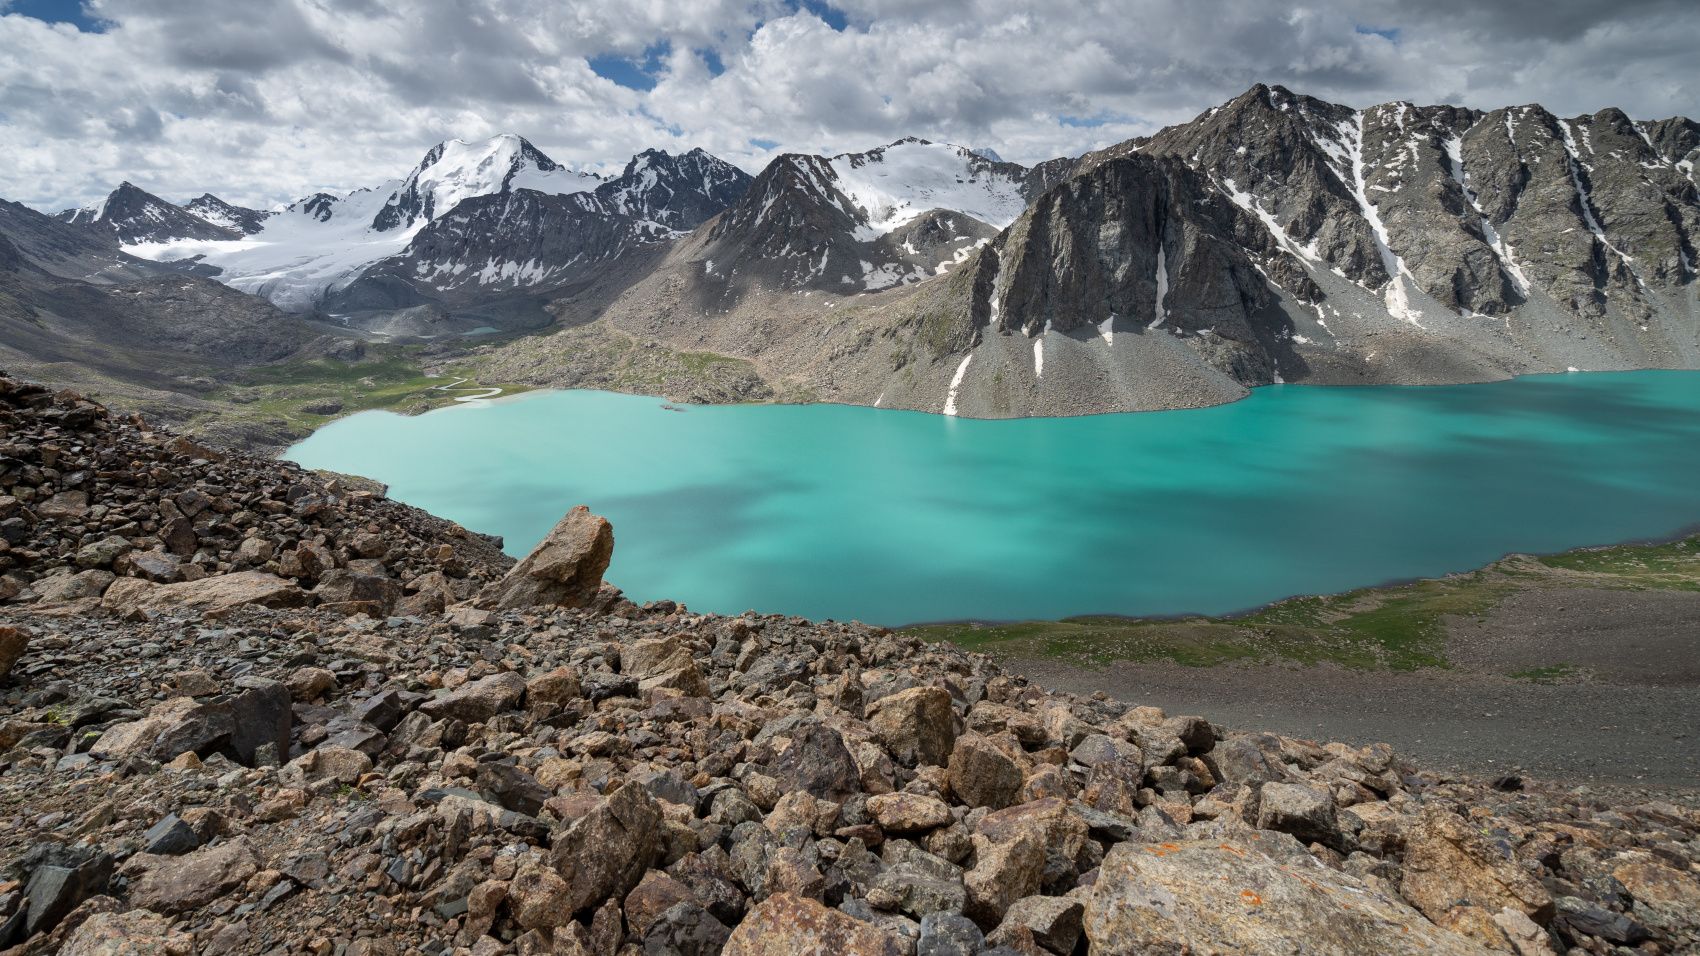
(207, 756)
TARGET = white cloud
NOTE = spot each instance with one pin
(262, 101)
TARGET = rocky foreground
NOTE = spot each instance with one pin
(255, 710)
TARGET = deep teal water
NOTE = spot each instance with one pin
(900, 517)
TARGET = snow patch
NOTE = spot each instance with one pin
(1161, 308)
(894, 185)
(1507, 262)
(956, 383)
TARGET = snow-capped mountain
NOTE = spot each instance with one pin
(527, 241)
(316, 248)
(841, 223)
(677, 192)
(135, 215)
(457, 170)
(238, 219)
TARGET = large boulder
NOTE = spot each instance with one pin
(237, 725)
(136, 933)
(565, 568)
(917, 726)
(477, 701)
(605, 852)
(177, 884)
(982, 775)
(1448, 863)
(788, 925)
(211, 597)
(1225, 896)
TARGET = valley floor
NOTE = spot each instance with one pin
(1580, 666)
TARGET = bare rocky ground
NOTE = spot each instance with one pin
(1623, 709)
(248, 758)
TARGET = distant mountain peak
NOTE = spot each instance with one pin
(455, 170)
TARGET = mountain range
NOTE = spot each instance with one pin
(1274, 238)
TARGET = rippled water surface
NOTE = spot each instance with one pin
(898, 517)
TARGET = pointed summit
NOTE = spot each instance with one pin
(455, 170)
(137, 216)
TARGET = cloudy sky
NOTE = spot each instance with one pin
(263, 101)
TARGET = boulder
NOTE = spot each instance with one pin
(236, 725)
(605, 852)
(565, 568)
(1225, 896)
(905, 813)
(1052, 823)
(13, 642)
(155, 565)
(1004, 871)
(1304, 811)
(686, 929)
(477, 701)
(136, 933)
(808, 755)
(177, 884)
(916, 726)
(788, 925)
(211, 597)
(1448, 864)
(1053, 922)
(1665, 898)
(982, 775)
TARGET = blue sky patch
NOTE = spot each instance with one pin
(57, 11)
(632, 72)
(831, 15)
(764, 143)
(1390, 34)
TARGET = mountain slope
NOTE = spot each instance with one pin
(470, 222)
(76, 310)
(137, 216)
(238, 219)
(1289, 239)
(838, 224)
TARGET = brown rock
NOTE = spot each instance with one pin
(786, 925)
(13, 642)
(564, 569)
(1225, 896)
(177, 884)
(1053, 922)
(907, 813)
(605, 852)
(982, 775)
(917, 726)
(477, 701)
(654, 895)
(1050, 823)
(539, 898)
(555, 689)
(1448, 864)
(212, 597)
(1003, 873)
(136, 933)
(308, 684)
(1664, 897)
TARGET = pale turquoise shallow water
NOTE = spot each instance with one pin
(899, 517)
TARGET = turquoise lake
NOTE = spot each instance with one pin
(894, 517)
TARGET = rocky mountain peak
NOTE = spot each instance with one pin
(455, 170)
(137, 216)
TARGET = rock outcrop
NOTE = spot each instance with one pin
(565, 569)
